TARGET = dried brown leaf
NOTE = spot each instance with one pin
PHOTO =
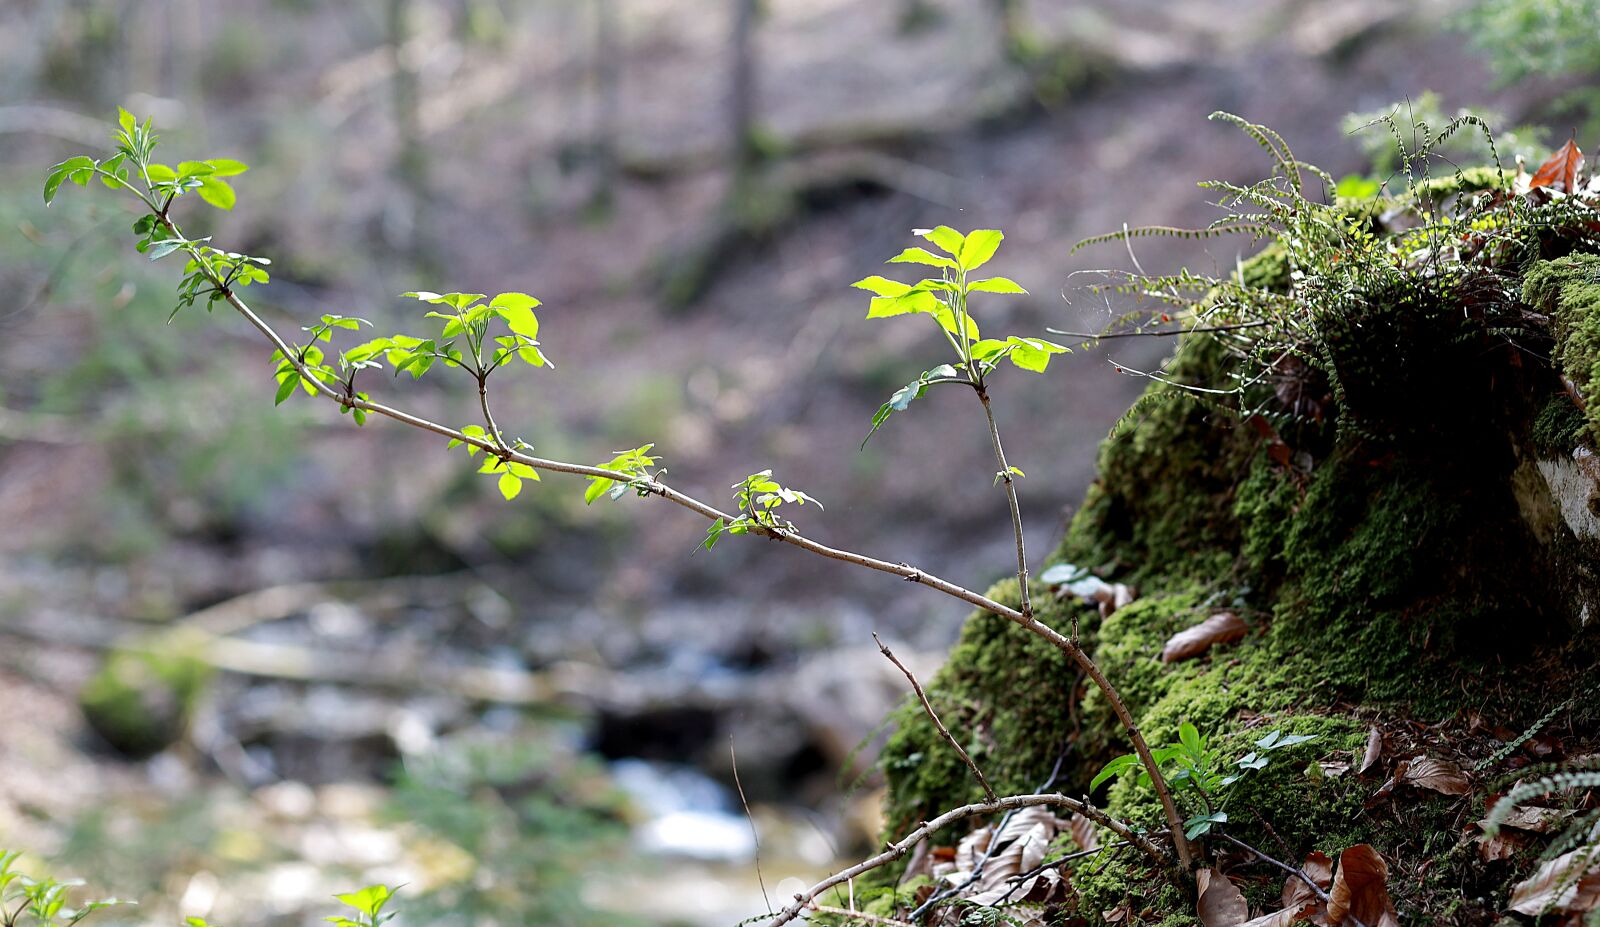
(1084, 832)
(1221, 903)
(1570, 883)
(1374, 750)
(1361, 890)
(1440, 776)
(1561, 171)
(1287, 916)
(1500, 846)
(1296, 892)
(1221, 628)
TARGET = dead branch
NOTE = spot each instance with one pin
(988, 790)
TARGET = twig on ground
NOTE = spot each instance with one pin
(1009, 803)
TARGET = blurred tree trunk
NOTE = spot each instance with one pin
(403, 224)
(743, 93)
(607, 63)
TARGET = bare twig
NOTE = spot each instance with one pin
(1103, 336)
(894, 851)
(733, 758)
(988, 790)
(1294, 871)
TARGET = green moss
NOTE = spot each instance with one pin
(1003, 688)
(1560, 427)
(141, 700)
(1468, 180)
(1568, 291)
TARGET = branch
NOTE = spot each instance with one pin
(654, 486)
(1009, 803)
(988, 790)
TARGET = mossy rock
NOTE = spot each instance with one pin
(1394, 572)
(142, 700)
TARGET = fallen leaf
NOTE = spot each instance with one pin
(1501, 845)
(1570, 883)
(1561, 171)
(1388, 786)
(1084, 832)
(1221, 903)
(1531, 818)
(1333, 769)
(1115, 915)
(1440, 776)
(1221, 628)
(1361, 890)
(1374, 751)
(1287, 916)
(1296, 892)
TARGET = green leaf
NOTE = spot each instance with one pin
(369, 900)
(921, 256)
(1032, 354)
(226, 167)
(286, 387)
(1116, 766)
(947, 319)
(948, 239)
(883, 307)
(515, 301)
(882, 286)
(195, 169)
(217, 192)
(510, 485)
(160, 173)
(995, 285)
(125, 119)
(62, 171)
(1202, 823)
(521, 320)
(1356, 187)
(1189, 736)
(979, 247)
(161, 249)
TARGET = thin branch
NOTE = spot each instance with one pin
(1102, 336)
(654, 486)
(1294, 871)
(988, 790)
(1009, 803)
(733, 758)
(1011, 499)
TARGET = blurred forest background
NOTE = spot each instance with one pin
(311, 656)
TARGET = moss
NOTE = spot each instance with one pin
(1568, 291)
(141, 700)
(1010, 693)
(1560, 427)
(1468, 180)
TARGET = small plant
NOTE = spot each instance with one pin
(367, 904)
(42, 901)
(1202, 770)
(479, 336)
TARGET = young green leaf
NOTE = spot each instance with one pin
(1118, 765)
(948, 239)
(217, 192)
(510, 485)
(882, 286)
(921, 256)
(995, 285)
(978, 247)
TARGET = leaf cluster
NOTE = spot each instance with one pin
(945, 300)
(1192, 763)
